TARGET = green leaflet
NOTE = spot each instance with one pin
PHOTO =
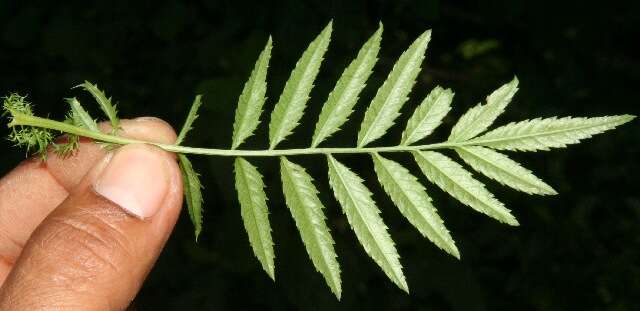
(477, 119)
(104, 103)
(385, 106)
(192, 193)
(344, 96)
(80, 116)
(455, 180)
(191, 179)
(504, 170)
(413, 202)
(542, 134)
(255, 215)
(191, 117)
(293, 100)
(428, 116)
(252, 99)
(364, 217)
(306, 209)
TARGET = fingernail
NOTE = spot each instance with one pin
(136, 179)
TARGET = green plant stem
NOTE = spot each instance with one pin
(27, 120)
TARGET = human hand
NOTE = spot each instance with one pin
(82, 232)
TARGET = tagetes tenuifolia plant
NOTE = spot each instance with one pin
(470, 139)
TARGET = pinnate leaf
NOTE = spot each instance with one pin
(428, 116)
(455, 180)
(392, 95)
(255, 215)
(414, 203)
(302, 199)
(252, 99)
(543, 134)
(344, 96)
(364, 217)
(503, 170)
(293, 100)
(477, 119)
(192, 193)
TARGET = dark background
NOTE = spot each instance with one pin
(577, 250)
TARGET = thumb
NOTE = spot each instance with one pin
(95, 249)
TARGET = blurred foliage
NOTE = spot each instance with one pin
(578, 250)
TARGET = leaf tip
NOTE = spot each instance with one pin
(426, 35)
(548, 190)
(453, 251)
(271, 273)
(515, 81)
(328, 28)
(380, 29)
(197, 234)
(627, 118)
(404, 286)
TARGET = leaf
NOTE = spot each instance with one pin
(414, 203)
(104, 103)
(428, 116)
(477, 119)
(364, 217)
(503, 170)
(385, 106)
(302, 199)
(344, 96)
(255, 215)
(455, 180)
(252, 99)
(80, 116)
(543, 134)
(191, 117)
(192, 193)
(293, 100)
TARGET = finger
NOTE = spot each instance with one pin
(95, 249)
(33, 189)
(26, 196)
(70, 170)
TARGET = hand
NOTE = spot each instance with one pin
(82, 232)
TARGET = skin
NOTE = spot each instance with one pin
(63, 246)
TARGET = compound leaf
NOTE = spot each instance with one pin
(385, 106)
(477, 119)
(503, 170)
(428, 116)
(255, 215)
(252, 99)
(344, 96)
(543, 134)
(455, 180)
(302, 199)
(364, 217)
(293, 100)
(414, 203)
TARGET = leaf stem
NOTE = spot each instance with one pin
(19, 119)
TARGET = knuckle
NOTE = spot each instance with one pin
(91, 245)
(151, 128)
